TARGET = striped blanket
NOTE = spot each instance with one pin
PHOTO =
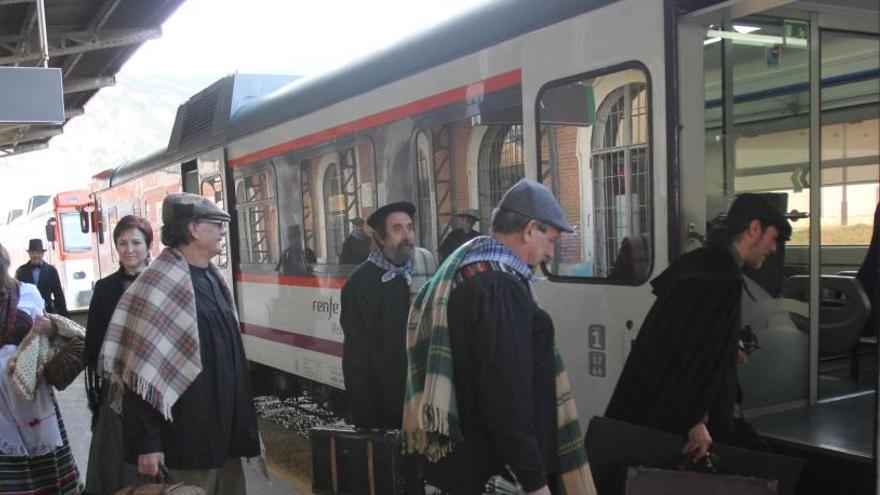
(431, 422)
(152, 342)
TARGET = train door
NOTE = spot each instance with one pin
(784, 102)
(594, 94)
(211, 176)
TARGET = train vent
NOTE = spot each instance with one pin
(199, 114)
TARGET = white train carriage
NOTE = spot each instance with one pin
(644, 117)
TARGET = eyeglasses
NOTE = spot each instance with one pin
(219, 225)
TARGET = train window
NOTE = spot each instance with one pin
(337, 188)
(594, 153)
(257, 218)
(500, 164)
(72, 237)
(426, 191)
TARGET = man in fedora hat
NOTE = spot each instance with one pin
(174, 345)
(487, 394)
(375, 301)
(462, 233)
(45, 277)
(681, 374)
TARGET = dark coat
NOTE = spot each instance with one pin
(355, 250)
(454, 240)
(49, 286)
(106, 295)
(503, 355)
(682, 367)
(373, 318)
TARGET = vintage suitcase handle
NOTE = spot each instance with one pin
(164, 477)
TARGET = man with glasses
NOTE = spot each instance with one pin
(174, 344)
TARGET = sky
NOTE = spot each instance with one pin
(203, 41)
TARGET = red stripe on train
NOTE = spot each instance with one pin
(423, 105)
(307, 342)
(262, 278)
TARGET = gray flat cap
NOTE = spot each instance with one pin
(470, 212)
(186, 206)
(533, 200)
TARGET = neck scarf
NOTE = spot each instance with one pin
(431, 422)
(377, 257)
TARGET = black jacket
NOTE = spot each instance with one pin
(682, 366)
(49, 286)
(355, 250)
(373, 318)
(869, 275)
(453, 240)
(106, 295)
(502, 348)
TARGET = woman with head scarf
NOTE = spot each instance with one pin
(107, 472)
(35, 455)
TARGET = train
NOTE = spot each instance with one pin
(645, 118)
(56, 219)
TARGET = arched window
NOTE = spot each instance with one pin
(620, 172)
(427, 194)
(500, 165)
(334, 212)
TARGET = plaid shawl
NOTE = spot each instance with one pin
(152, 342)
(430, 417)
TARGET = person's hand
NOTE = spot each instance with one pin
(699, 441)
(540, 491)
(741, 357)
(148, 464)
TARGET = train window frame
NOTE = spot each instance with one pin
(244, 259)
(650, 168)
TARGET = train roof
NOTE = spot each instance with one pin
(482, 27)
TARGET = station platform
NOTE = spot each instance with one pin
(77, 418)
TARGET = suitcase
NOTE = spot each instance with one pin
(651, 481)
(349, 461)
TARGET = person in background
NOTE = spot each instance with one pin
(294, 259)
(681, 375)
(462, 233)
(45, 277)
(174, 346)
(35, 455)
(107, 471)
(356, 246)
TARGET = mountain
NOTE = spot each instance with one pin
(121, 123)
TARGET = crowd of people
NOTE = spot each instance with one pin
(459, 357)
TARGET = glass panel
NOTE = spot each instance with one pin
(757, 140)
(72, 237)
(597, 161)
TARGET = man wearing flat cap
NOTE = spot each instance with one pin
(462, 233)
(375, 301)
(44, 276)
(681, 374)
(487, 394)
(174, 346)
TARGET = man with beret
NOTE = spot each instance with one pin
(681, 374)
(45, 277)
(462, 233)
(501, 404)
(375, 301)
(174, 346)
(355, 247)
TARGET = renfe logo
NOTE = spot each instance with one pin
(328, 306)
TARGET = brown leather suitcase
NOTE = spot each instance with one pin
(644, 481)
(348, 461)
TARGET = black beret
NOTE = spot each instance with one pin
(379, 215)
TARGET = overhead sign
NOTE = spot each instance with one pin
(795, 33)
(38, 95)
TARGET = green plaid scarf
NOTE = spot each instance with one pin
(430, 418)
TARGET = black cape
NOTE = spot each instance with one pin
(682, 367)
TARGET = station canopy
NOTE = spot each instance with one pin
(88, 40)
